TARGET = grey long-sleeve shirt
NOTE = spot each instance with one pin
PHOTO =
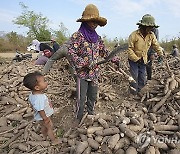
(60, 53)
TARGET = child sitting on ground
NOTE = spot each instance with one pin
(42, 106)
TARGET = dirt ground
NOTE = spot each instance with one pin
(65, 109)
(113, 97)
(12, 55)
(65, 116)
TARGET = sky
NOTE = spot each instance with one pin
(122, 15)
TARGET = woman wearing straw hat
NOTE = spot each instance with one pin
(139, 43)
(82, 51)
(85, 48)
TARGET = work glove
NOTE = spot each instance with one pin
(140, 61)
(92, 65)
(116, 61)
(160, 59)
(152, 57)
(118, 64)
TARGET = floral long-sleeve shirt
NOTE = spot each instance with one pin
(83, 53)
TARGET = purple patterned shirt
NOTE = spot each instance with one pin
(83, 53)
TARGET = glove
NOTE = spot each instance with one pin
(118, 64)
(140, 61)
(160, 59)
(116, 61)
(92, 65)
(152, 57)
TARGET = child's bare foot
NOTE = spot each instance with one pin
(56, 141)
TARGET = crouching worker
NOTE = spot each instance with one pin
(139, 43)
(60, 53)
(41, 104)
(175, 51)
(44, 57)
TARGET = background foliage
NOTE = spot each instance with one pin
(38, 28)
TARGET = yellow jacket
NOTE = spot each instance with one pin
(138, 46)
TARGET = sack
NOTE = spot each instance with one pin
(47, 53)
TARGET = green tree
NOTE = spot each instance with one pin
(36, 23)
(13, 38)
(16, 41)
(62, 34)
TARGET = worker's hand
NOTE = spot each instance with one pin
(92, 65)
(160, 59)
(152, 57)
(116, 61)
(118, 64)
(140, 61)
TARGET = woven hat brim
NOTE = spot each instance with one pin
(139, 23)
(100, 20)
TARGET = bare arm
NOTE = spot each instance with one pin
(44, 117)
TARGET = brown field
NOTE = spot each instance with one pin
(11, 55)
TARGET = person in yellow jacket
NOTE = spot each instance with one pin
(139, 43)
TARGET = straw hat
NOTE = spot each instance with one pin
(147, 20)
(175, 46)
(53, 39)
(91, 13)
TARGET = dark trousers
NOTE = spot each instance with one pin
(86, 92)
(138, 72)
(149, 70)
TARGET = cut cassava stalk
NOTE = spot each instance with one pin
(80, 130)
(93, 144)
(82, 120)
(125, 141)
(165, 132)
(108, 131)
(129, 133)
(81, 147)
(151, 150)
(98, 138)
(100, 115)
(3, 121)
(12, 139)
(137, 128)
(165, 127)
(92, 129)
(135, 121)
(163, 100)
(103, 123)
(131, 150)
(172, 85)
(41, 143)
(121, 71)
(113, 141)
(166, 88)
(14, 116)
(39, 151)
(35, 136)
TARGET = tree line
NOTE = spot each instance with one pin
(38, 28)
